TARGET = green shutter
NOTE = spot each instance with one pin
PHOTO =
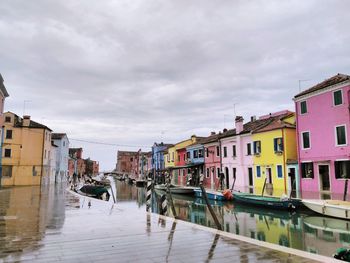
(341, 138)
(337, 97)
(303, 107)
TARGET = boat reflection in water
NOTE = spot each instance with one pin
(303, 229)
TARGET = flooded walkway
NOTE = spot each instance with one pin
(53, 225)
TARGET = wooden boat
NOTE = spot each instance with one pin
(211, 194)
(333, 208)
(174, 189)
(328, 224)
(266, 201)
(95, 191)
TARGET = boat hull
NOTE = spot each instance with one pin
(213, 195)
(330, 208)
(176, 189)
(266, 201)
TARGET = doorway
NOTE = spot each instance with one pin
(323, 171)
(227, 174)
(269, 175)
(292, 181)
(250, 176)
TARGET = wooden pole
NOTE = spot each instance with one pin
(345, 190)
(170, 198)
(263, 190)
(233, 185)
(204, 194)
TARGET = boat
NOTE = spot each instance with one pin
(99, 192)
(328, 224)
(174, 189)
(266, 201)
(332, 208)
(211, 194)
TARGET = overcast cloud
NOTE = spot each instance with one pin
(133, 72)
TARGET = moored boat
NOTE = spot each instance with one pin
(174, 189)
(211, 194)
(333, 208)
(267, 201)
(328, 224)
(95, 191)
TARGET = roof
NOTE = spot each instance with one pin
(337, 79)
(211, 138)
(32, 124)
(57, 136)
(2, 87)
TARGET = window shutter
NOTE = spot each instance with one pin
(275, 145)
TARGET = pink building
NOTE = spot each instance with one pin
(323, 137)
(212, 160)
(236, 151)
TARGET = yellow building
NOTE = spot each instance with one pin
(169, 157)
(273, 145)
(26, 152)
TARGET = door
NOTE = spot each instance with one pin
(292, 180)
(250, 176)
(323, 171)
(269, 175)
(227, 175)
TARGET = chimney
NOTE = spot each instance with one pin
(193, 138)
(253, 118)
(212, 133)
(239, 124)
(224, 130)
(26, 120)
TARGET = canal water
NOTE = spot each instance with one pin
(303, 230)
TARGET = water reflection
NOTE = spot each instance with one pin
(27, 214)
(301, 230)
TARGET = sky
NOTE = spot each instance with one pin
(130, 73)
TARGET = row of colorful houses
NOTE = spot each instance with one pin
(306, 151)
(31, 154)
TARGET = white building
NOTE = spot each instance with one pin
(62, 156)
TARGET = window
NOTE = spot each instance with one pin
(217, 151)
(8, 153)
(279, 171)
(200, 153)
(337, 98)
(225, 151)
(188, 155)
(131, 159)
(234, 151)
(257, 147)
(8, 134)
(342, 169)
(178, 157)
(184, 157)
(217, 172)
(8, 119)
(208, 173)
(340, 135)
(249, 149)
(305, 140)
(195, 154)
(258, 171)
(278, 145)
(234, 171)
(34, 172)
(206, 152)
(303, 107)
(7, 171)
(307, 170)
(64, 143)
(172, 156)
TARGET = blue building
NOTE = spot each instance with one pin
(158, 164)
(195, 160)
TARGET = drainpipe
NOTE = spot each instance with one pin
(42, 158)
(284, 163)
(298, 172)
(1, 146)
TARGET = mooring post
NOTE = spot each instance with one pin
(164, 205)
(345, 190)
(148, 194)
(233, 185)
(170, 198)
(263, 190)
(113, 194)
(204, 194)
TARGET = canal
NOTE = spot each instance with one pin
(303, 230)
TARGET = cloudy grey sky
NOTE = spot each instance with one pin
(132, 72)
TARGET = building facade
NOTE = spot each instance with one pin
(62, 156)
(27, 152)
(323, 137)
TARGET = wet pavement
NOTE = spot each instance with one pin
(49, 224)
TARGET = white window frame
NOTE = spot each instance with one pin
(277, 171)
(223, 152)
(335, 136)
(302, 140)
(342, 97)
(306, 107)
